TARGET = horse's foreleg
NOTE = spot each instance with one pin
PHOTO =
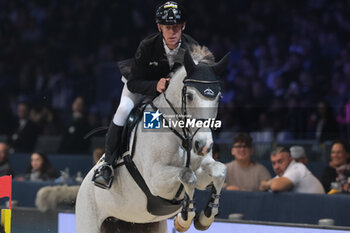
(184, 219)
(171, 176)
(218, 173)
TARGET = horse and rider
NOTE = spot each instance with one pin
(155, 58)
(162, 170)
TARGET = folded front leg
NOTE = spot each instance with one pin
(184, 219)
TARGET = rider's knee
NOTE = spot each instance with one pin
(125, 107)
(122, 112)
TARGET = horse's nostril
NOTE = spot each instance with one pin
(197, 145)
(208, 150)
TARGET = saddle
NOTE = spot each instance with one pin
(132, 121)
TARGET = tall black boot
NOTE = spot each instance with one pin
(104, 175)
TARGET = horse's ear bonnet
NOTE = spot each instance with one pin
(204, 77)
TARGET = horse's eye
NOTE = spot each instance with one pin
(189, 96)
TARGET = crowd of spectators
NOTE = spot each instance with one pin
(289, 69)
(291, 169)
(288, 74)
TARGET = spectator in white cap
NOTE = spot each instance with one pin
(298, 154)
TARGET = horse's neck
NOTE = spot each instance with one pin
(167, 112)
(173, 94)
(160, 103)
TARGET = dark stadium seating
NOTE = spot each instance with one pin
(283, 207)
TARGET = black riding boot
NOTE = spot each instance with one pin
(103, 176)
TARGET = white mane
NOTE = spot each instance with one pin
(202, 54)
(199, 54)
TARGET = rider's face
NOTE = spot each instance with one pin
(171, 34)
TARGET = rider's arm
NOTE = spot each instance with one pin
(139, 82)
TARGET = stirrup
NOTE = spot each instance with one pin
(98, 172)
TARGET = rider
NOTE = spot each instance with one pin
(157, 56)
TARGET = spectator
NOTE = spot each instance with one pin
(46, 120)
(7, 120)
(324, 123)
(5, 168)
(298, 154)
(340, 154)
(40, 168)
(52, 197)
(73, 138)
(51, 122)
(243, 173)
(23, 137)
(290, 175)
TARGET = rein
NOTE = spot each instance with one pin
(186, 138)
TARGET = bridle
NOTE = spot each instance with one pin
(186, 136)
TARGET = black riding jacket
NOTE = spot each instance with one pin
(150, 63)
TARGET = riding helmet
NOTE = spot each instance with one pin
(170, 13)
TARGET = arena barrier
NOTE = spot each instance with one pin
(254, 206)
(26, 220)
(5, 191)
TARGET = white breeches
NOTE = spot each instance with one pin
(127, 103)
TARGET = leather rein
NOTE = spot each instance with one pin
(186, 137)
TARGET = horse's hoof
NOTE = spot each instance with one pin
(202, 222)
(199, 226)
(179, 227)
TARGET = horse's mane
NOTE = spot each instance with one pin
(201, 54)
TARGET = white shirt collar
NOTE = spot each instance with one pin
(171, 53)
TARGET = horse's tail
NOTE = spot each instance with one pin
(112, 224)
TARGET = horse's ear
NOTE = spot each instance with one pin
(221, 65)
(189, 63)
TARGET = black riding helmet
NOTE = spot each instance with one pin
(170, 13)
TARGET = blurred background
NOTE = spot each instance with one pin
(288, 77)
(287, 82)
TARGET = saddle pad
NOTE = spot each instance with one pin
(133, 119)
